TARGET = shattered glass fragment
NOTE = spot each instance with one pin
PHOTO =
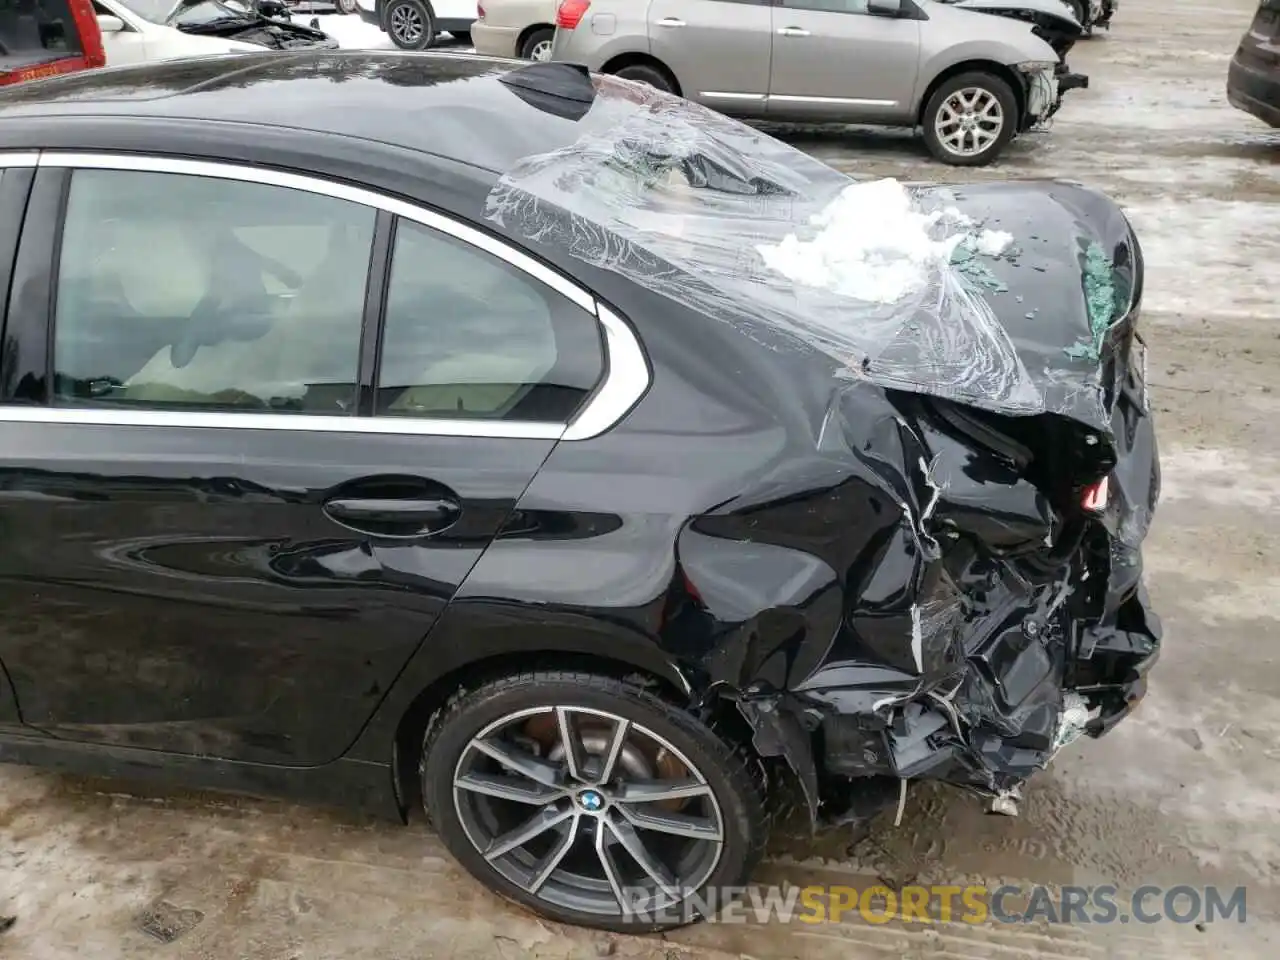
(1075, 717)
(1100, 297)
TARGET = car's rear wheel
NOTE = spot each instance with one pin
(537, 46)
(591, 801)
(646, 73)
(970, 119)
(346, 6)
(410, 24)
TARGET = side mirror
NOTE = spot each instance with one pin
(110, 24)
(884, 8)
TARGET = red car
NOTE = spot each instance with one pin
(43, 38)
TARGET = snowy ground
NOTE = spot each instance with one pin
(1186, 792)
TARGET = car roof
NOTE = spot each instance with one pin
(475, 110)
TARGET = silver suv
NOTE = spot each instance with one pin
(971, 80)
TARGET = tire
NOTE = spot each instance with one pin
(538, 42)
(524, 715)
(1079, 11)
(990, 96)
(346, 7)
(410, 24)
(644, 73)
(462, 36)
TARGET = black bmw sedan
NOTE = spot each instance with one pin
(552, 457)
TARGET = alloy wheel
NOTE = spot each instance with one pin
(406, 24)
(588, 811)
(541, 51)
(969, 121)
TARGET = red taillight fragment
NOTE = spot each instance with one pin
(570, 13)
(1094, 498)
(479, 11)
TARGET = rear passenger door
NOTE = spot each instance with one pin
(718, 49)
(255, 430)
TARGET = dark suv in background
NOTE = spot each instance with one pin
(1253, 83)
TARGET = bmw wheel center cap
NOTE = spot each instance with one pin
(591, 801)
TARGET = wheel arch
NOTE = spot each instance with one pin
(414, 721)
(529, 31)
(993, 67)
(633, 59)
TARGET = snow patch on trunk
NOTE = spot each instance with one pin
(872, 245)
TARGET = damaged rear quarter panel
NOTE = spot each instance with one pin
(858, 522)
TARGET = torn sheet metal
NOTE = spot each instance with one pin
(712, 213)
(915, 591)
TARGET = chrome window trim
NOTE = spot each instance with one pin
(625, 383)
(197, 419)
(626, 378)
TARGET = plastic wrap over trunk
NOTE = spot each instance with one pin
(899, 285)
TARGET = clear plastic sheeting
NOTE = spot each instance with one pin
(743, 228)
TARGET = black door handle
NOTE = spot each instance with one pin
(394, 517)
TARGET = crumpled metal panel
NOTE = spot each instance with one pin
(904, 597)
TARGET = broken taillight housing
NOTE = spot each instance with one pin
(570, 13)
(1094, 498)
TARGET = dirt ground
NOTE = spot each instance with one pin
(1188, 791)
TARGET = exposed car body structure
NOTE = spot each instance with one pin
(971, 82)
(993, 620)
(1253, 80)
(266, 25)
(850, 505)
(140, 31)
(1053, 21)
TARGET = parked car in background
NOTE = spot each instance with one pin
(515, 28)
(136, 31)
(415, 24)
(46, 38)
(1253, 80)
(972, 81)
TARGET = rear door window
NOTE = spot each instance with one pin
(189, 292)
(468, 336)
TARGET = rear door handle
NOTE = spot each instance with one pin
(794, 32)
(394, 517)
(670, 22)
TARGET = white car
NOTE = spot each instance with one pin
(515, 28)
(415, 24)
(137, 31)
